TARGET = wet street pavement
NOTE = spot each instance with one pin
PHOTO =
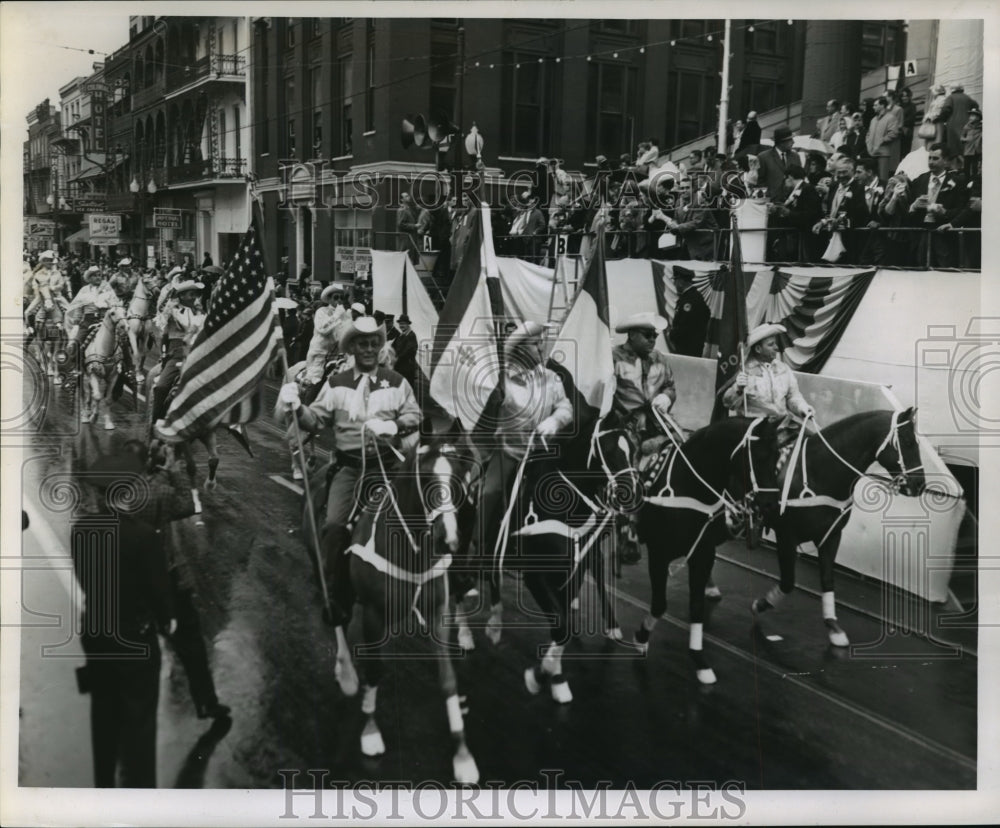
(789, 711)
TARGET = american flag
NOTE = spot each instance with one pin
(231, 353)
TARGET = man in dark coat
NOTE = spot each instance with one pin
(405, 347)
(799, 212)
(938, 198)
(750, 136)
(774, 164)
(954, 114)
(845, 211)
(121, 565)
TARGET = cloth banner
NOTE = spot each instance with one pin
(527, 289)
(387, 296)
(752, 219)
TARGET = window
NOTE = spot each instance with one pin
(346, 115)
(766, 38)
(526, 101)
(370, 76)
(290, 138)
(878, 44)
(223, 142)
(265, 75)
(687, 28)
(611, 98)
(693, 102)
(618, 26)
(289, 106)
(762, 94)
(316, 91)
(237, 143)
(444, 56)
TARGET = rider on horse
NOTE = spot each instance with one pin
(326, 332)
(123, 280)
(766, 387)
(89, 305)
(368, 407)
(180, 320)
(643, 382)
(531, 398)
(48, 285)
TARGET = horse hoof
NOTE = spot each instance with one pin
(210, 485)
(641, 646)
(838, 638)
(706, 676)
(614, 633)
(712, 592)
(531, 681)
(296, 473)
(759, 605)
(371, 741)
(560, 690)
(464, 768)
(465, 639)
(347, 678)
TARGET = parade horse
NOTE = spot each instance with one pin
(568, 501)
(817, 494)
(689, 489)
(141, 310)
(405, 539)
(50, 338)
(103, 353)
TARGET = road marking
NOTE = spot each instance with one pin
(851, 707)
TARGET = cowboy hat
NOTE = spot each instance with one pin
(126, 262)
(357, 307)
(175, 271)
(188, 284)
(92, 269)
(329, 292)
(47, 256)
(212, 270)
(362, 326)
(522, 333)
(646, 319)
(762, 332)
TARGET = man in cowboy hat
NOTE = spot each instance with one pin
(327, 325)
(766, 386)
(89, 304)
(180, 321)
(530, 399)
(174, 277)
(368, 408)
(48, 285)
(643, 383)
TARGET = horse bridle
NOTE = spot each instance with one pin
(597, 450)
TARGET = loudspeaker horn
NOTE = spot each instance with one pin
(414, 131)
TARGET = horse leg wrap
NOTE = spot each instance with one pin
(829, 606)
(560, 690)
(455, 722)
(695, 636)
(368, 700)
(552, 662)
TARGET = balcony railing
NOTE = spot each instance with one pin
(210, 66)
(210, 168)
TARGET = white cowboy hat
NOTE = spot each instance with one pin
(362, 326)
(357, 307)
(329, 291)
(47, 256)
(92, 269)
(188, 284)
(762, 332)
(646, 319)
(522, 333)
(126, 262)
(176, 271)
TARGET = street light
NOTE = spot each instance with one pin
(136, 188)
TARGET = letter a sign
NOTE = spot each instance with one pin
(910, 68)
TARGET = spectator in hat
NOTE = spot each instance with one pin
(798, 212)
(774, 162)
(405, 346)
(937, 96)
(827, 125)
(406, 228)
(954, 116)
(844, 212)
(124, 578)
(207, 261)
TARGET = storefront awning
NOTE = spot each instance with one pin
(79, 237)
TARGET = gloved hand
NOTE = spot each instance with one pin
(741, 379)
(288, 396)
(547, 428)
(381, 428)
(808, 411)
(662, 403)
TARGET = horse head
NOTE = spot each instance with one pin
(446, 473)
(755, 461)
(613, 452)
(899, 453)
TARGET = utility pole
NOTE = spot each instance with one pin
(724, 101)
(460, 91)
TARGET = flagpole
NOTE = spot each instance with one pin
(255, 205)
(724, 101)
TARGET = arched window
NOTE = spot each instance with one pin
(161, 140)
(139, 72)
(160, 61)
(150, 66)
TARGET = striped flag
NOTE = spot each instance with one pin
(581, 354)
(733, 327)
(232, 351)
(465, 366)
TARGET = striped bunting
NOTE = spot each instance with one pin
(232, 352)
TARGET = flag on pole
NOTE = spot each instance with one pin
(465, 366)
(581, 354)
(732, 325)
(231, 353)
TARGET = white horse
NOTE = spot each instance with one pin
(101, 365)
(141, 311)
